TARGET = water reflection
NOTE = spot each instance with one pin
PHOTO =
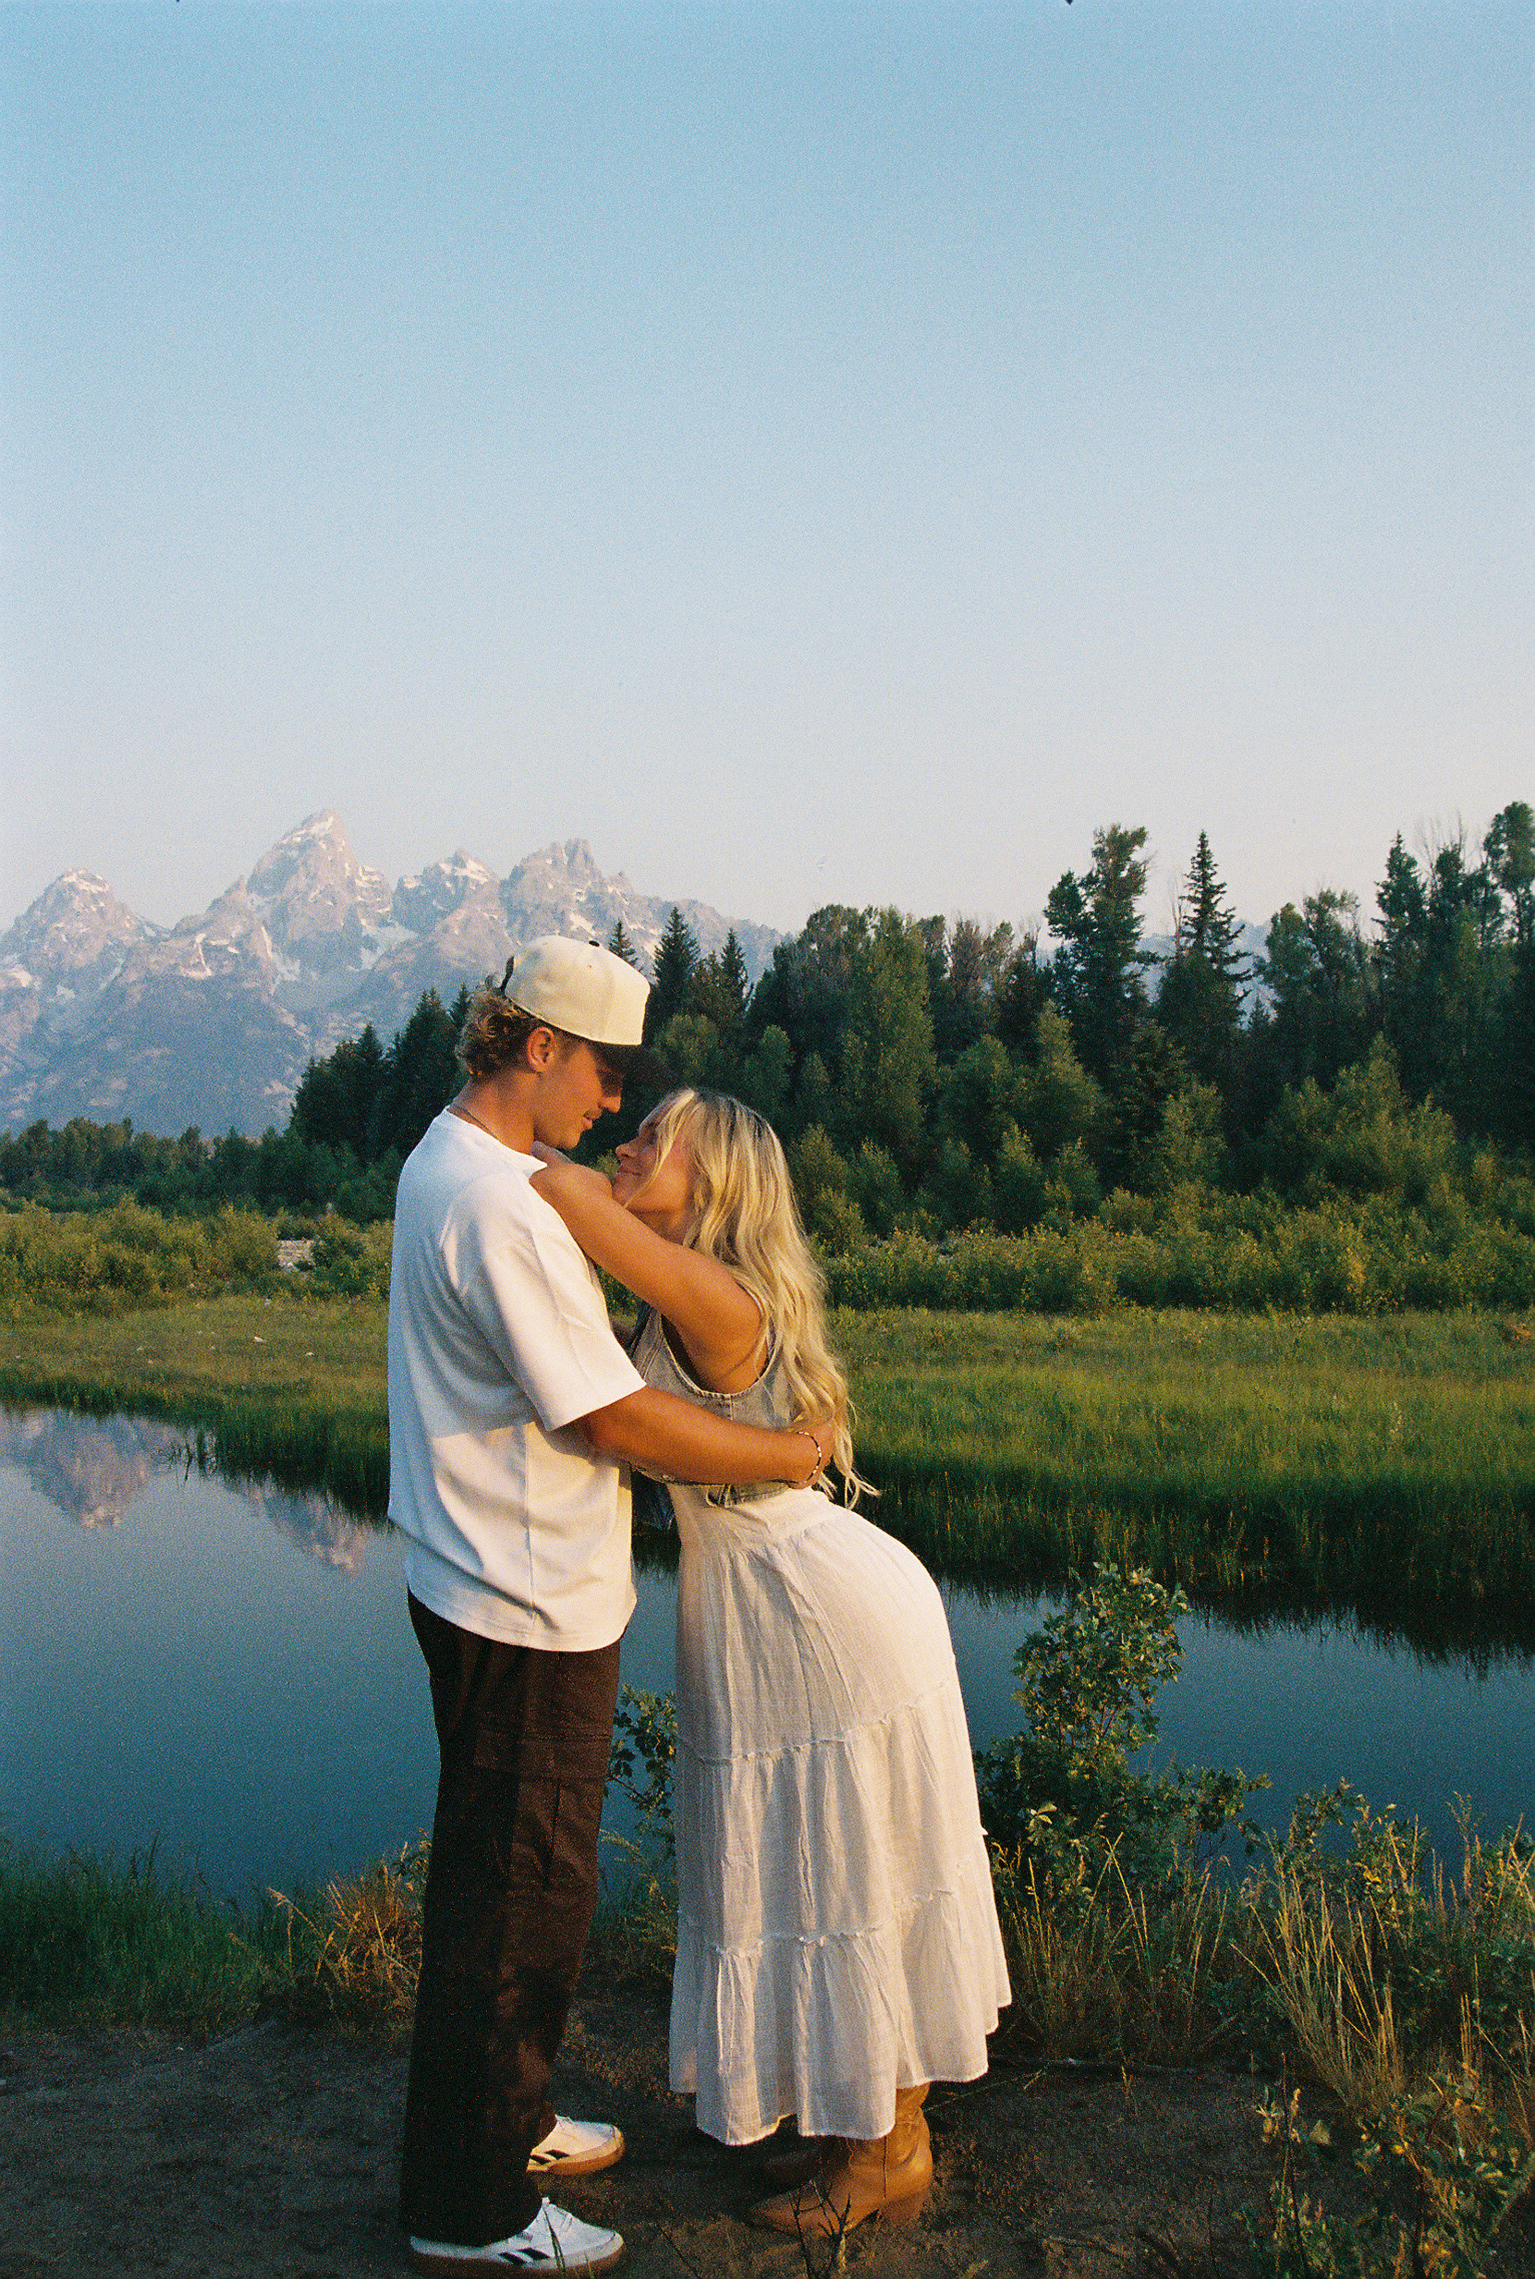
(92, 1469)
(206, 1665)
(89, 1468)
(189, 1675)
(314, 1523)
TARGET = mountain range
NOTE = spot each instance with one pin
(212, 1021)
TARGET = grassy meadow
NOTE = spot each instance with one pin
(1387, 1463)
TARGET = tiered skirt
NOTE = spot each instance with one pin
(837, 1937)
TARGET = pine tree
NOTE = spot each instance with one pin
(675, 962)
(1200, 999)
(420, 1075)
(1098, 968)
(334, 1102)
(621, 946)
(1209, 925)
(719, 989)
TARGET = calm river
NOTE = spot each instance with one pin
(229, 1672)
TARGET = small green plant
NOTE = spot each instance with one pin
(1118, 1934)
(641, 1763)
(635, 1932)
(1445, 2171)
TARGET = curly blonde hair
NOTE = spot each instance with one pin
(745, 1216)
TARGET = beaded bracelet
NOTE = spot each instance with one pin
(803, 1432)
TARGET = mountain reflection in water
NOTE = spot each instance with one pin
(91, 1469)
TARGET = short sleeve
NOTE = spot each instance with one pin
(534, 1298)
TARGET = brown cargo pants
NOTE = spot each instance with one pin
(524, 1738)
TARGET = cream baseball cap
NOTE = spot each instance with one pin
(586, 991)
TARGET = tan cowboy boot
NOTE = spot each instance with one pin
(790, 2160)
(876, 2176)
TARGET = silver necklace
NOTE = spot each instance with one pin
(469, 1117)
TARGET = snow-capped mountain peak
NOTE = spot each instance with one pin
(212, 1021)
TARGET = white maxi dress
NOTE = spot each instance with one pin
(837, 1937)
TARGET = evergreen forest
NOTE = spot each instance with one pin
(940, 1083)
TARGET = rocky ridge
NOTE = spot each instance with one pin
(212, 1021)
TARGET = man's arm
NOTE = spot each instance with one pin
(661, 1432)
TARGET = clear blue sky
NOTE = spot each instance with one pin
(814, 453)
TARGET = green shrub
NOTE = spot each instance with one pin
(1197, 1248)
(1363, 1137)
(126, 1257)
(1061, 1796)
(351, 1262)
(1445, 2170)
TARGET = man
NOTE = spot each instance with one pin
(511, 1407)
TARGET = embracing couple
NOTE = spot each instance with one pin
(837, 1946)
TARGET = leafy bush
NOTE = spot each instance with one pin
(351, 1262)
(643, 1760)
(1062, 1795)
(1198, 1248)
(108, 1262)
(636, 1928)
(1363, 1137)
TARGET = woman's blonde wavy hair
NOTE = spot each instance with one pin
(745, 1215)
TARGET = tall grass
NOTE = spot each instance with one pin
(1388, 1465)
(1385, 1967)
(352, 1953)
(88, 1944)
(1366, 1974)
(84, 1942)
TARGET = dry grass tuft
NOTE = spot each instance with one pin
(355, 1957)
(1387, 1971)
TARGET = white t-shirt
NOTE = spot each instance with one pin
(498, 1339)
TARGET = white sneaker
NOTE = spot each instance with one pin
(554, 2241)
(577, 2148)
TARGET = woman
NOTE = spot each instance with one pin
(837, 1943)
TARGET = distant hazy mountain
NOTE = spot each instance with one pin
(1251, 943)
(213, 1021)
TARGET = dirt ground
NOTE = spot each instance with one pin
(271, 2154)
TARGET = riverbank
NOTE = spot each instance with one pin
(1281, 1461)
